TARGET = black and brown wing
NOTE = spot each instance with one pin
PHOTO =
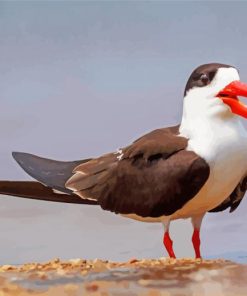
(152, 177)
(51, 176)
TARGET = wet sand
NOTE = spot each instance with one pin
(136, 277)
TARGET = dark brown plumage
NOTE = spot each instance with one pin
(156, 176)
(130, 186)
(35, 190)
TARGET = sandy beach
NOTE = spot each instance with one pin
(135, 277)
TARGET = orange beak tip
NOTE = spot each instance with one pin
(229, 97)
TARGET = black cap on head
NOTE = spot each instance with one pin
(203, 75)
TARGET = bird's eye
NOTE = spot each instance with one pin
(211, 75)
(204, 79)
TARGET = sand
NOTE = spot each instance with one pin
(136, 277)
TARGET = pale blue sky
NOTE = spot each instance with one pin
(79, 79)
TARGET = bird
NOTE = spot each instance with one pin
(175, 172)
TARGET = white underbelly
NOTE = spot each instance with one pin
(144, 219)
(224, 176)
(226, 155)
(227, 159)
(220, 184)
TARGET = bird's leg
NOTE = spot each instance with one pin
(167, 240)
(168, 244)
(197, 221)
(196, 242)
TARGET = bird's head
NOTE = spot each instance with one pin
(214, 89)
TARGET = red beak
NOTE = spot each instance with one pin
(229, 96)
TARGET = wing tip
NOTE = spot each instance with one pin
(19, 155)
(15, 154)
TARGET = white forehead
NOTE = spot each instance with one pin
(224, 76)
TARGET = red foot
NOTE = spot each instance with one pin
(196, 243)
(168, 244)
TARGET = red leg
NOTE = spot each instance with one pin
(196, 243)
(168, 244)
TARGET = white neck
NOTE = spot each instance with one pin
(204, 113)
(206, 116)
(211, 127)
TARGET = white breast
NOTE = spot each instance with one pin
(223, 145)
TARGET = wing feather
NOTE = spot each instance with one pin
(152, 177)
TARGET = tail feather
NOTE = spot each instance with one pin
(35, 190)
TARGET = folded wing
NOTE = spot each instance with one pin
(152, 177)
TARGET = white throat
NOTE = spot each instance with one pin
(202, 109)
(208, 123)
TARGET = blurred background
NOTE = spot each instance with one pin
(79, 79)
